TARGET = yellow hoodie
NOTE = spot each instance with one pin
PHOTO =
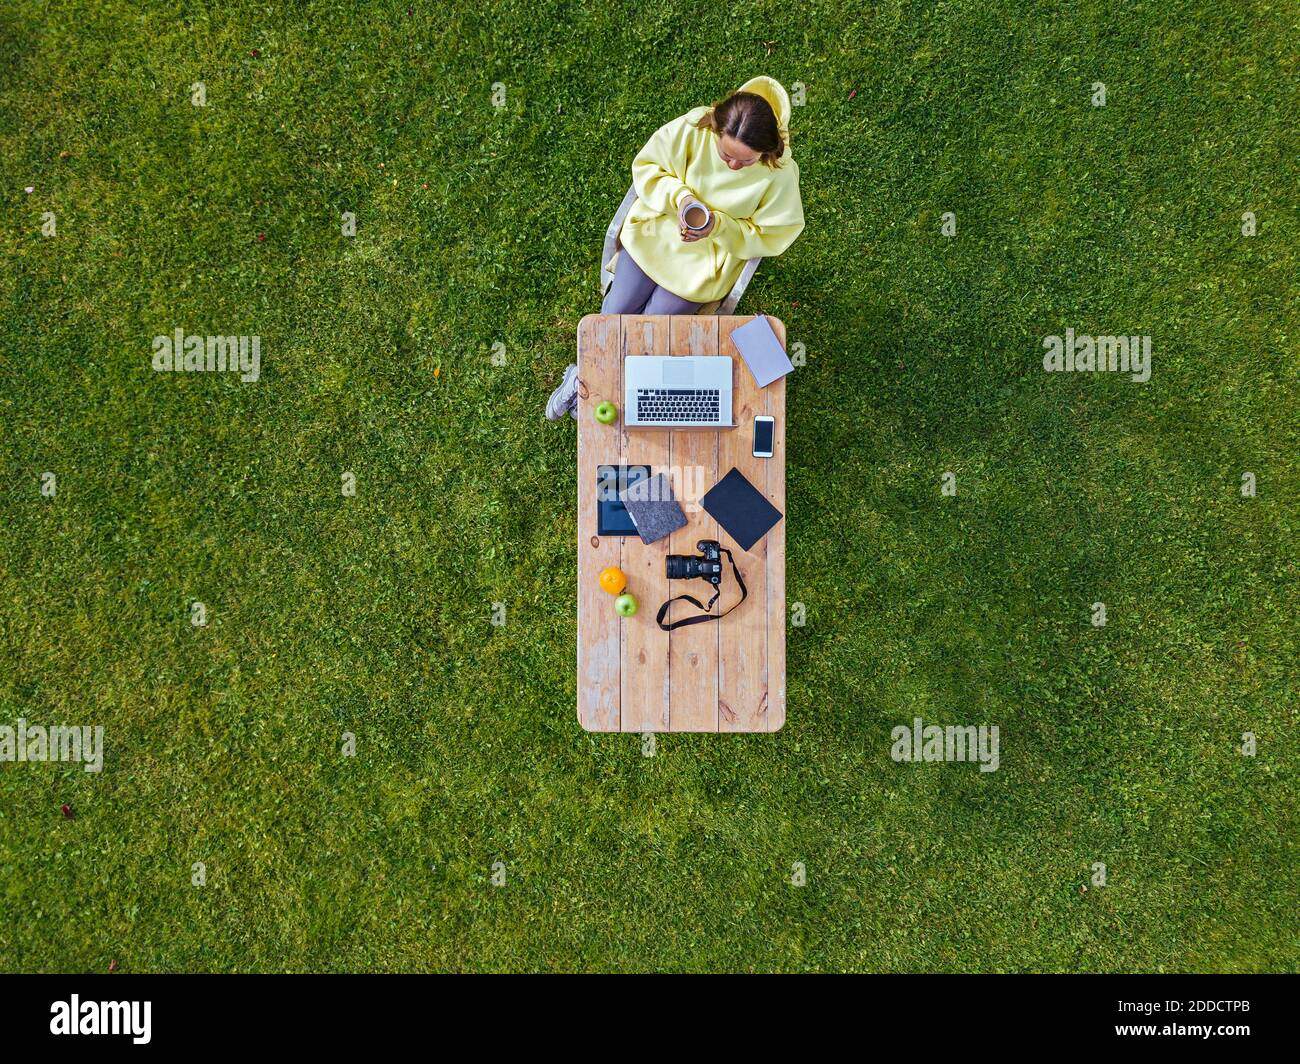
(758, 209)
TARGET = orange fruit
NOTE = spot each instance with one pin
(613, 580)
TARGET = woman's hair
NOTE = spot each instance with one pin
(750, 119)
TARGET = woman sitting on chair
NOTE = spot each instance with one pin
(733, 159)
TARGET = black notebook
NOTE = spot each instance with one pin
(741, 509)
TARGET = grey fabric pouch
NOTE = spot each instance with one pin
(653, 508)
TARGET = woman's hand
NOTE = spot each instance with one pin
(689, 235)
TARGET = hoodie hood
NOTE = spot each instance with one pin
(772, 91)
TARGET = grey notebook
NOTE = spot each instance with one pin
(653, 507)
(762, 351)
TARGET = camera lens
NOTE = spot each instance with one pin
(682, 567)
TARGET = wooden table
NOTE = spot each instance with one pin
(727, 675)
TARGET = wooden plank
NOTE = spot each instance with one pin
(693, 650)
(645, 671)
(743, 691)
(776, 540)
(600, 376)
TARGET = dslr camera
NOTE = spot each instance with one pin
(708, 566)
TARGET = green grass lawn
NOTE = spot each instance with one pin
(479, 225)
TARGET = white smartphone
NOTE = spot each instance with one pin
(764, 434)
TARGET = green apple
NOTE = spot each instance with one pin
(607, 414)
(625, 605)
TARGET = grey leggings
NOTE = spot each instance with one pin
(634, 293)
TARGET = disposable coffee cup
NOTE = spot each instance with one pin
(697, 217)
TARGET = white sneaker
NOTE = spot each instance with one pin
(564, 400)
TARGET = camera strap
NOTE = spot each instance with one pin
(705, 616)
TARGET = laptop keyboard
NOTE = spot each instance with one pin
(682, 405)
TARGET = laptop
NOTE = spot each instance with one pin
(680, 392)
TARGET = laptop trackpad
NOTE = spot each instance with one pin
(679, 373)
